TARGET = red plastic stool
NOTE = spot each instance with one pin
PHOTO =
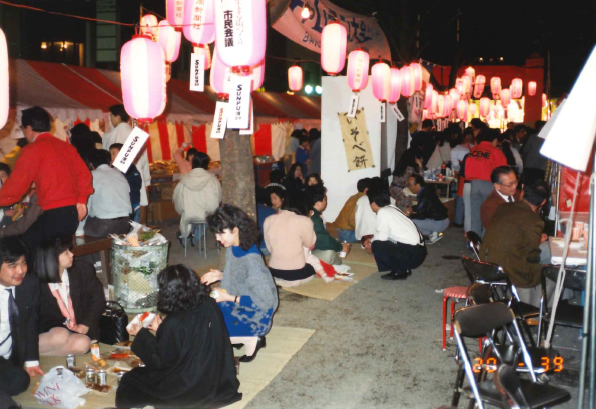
(456, 294)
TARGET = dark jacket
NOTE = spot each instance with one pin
(429, 205)
(27, 300)
(189, 363)
(133, 177)
(425, 142)
(324, 240)
(512, 241)
(87, 296)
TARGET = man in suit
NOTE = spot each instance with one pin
(19, 301)
(505, 190)
(515, 240)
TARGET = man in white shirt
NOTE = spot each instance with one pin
(109, 205)
(397, 245)
(120, 131)
(19, 302)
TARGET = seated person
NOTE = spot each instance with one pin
(409, 164)
(30, 213)
(276, 177)
(505, 182)
(19, 304)
(184, 164)
(109, 205)
(264, 210)
(250, 298)
(346, 220)
(303, 153)
(286, 235)
(314, 179)
(71, 301)
(196, 195)
(430, 214)
(515, 240)
(277, 196)
(398, 246)
(189, 361)
(135, 182)
(6, 213)
(295, 182)
(326, 247)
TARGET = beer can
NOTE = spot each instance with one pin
(71, 361)
(90, 375)
(102, 377)
(119, 375)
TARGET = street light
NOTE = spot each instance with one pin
(308, 89)
(319, 89)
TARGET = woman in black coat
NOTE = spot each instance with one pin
(71, 301)
(189, 361)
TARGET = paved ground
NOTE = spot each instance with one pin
(378, 345)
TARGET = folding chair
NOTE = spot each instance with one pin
(474, 242)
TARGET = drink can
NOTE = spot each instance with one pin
(102, 377)
(95, 354)
(90, 375)
(71, 361)
(119, 375)
(440, 177)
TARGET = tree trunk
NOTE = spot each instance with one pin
(401, 144)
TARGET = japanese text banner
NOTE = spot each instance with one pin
(362, 31)
(356, 142)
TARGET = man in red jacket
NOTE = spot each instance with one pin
(62, 180)
(480, 163)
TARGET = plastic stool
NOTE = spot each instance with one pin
(456, 294)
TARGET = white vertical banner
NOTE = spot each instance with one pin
(383, 112)
(197, 72)
(353, 106)
(251, 127)
(400, 117)
(220, 120)
(131, 148)
(239, 115)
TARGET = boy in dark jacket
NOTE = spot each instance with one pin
(429, 215)
(133, 177)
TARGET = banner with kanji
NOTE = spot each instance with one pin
(356, 141)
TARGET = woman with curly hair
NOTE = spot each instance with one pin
(189, 361)
(250, 296)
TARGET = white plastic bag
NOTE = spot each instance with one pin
(60, 388)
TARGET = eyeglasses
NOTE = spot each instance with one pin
(510, 185)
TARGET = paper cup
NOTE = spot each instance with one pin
(575, 234)
(343, 254)
(580, 227)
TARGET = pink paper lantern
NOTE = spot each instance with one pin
(175, 13)
(295, 78)
(462, 110)
(467, 86)
(441, 111)
(495, 86)
(459, 86)
(479, 86)
(544, 101)
(143, 78)
(258, 75)
(199, 21)
(472, 110)
(471, 72)
(505, 97)
(149, 25)
(395, 75)
(435, 102)
(454, 94)
(516, 88)
(204, 49)
(169, 39)
(407, 81)
(428, 96)
(219, 77)
(448, 105)
(243, 45)
(424, 114)
(358, 63)
(484, 106)
(417, 70)
(532, 88)
(4, 80)
(381, 81)
(334, 41)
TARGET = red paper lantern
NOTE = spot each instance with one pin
(175, 13)
(484, 106)
(479, 86)
(199, 21)
(462, 110)
(143, 78)
(495, 86)
(417, 70)
(358, 62)
(505, 97)
(149, 25)
(381, 81)
(169, 39)
(395, 75)
(334, 42)
(532, 88)
(407, 81)
(428, 96)
(295, 78)
(516, 88)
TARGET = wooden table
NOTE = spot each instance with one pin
(445, 182)
(89, 245)
(577, 255)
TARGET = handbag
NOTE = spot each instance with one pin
(112, 324)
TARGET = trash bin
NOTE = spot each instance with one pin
(134, 271)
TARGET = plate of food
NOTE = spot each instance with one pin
(123, 344)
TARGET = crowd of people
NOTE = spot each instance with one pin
(51, 303)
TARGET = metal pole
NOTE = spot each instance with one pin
(589, 310)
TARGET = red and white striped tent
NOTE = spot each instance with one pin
(75, 94)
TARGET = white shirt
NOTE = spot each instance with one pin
(395, 226)
(519, 163)
(457, 155)
(62, 288)
(366, 219)
(505, 197)
(6, 348)
(111, 198)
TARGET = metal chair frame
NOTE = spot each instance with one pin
(199, 224)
